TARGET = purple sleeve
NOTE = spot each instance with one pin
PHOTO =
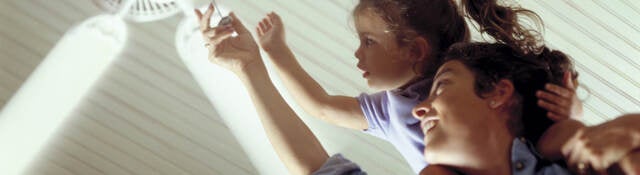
(338, 165)
(375, 111)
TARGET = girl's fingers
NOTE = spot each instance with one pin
(568, 80)
(603, 148)
(259, 32)
(553, 108)
(267, 23)
(275, 18)
(561, 91)
(262, 26)
(574, 156)
(581, 160)
(553, 98)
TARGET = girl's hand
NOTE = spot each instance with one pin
(271, 32)
(561, 102)
(231, 52)
(601, 146)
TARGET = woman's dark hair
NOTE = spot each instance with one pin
(519, 55)
(436, 20)
(529, 72)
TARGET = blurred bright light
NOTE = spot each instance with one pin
(56, 86)
(229, 97)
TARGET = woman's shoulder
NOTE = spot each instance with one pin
(339, 165)
(525, 160)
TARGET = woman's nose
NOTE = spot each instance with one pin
(421, 110)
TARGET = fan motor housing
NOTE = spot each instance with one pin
(142, 10)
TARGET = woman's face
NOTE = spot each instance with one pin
(453, 117)
(384, 64)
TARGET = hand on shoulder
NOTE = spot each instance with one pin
(601, 146)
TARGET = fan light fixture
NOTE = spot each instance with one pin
(141, 10)
(55, 87)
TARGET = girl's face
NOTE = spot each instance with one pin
(453, 117)
(384, 64)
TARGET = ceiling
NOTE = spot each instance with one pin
(148, 115)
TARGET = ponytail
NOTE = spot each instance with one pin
(504, 25)
(501, 23)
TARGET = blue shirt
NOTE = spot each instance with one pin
(389, 117)
(524, 161)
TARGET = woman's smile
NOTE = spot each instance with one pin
(429, 124)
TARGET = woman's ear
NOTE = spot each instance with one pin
(502, 94)
(420, 49)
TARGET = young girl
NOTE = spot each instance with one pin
(400, 46)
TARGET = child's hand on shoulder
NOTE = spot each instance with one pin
(561, 102)
(603, 145)
(271, 32)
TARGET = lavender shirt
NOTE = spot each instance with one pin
(388, 114)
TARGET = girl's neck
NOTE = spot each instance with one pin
(410, 82)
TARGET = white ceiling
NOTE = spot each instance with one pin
(147, 114)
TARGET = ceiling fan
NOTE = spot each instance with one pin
(34, 113)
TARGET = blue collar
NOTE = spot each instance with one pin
(525, 160)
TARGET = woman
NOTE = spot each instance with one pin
(496, 84)
(493, 134)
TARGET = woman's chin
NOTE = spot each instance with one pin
(430, 157)
(432, 149)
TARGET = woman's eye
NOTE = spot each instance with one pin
(438, 88)
(438, 91)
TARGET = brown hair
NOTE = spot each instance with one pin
(437, 20)
(519, 56)
(504, 25)
(492, 62)
(441, 23)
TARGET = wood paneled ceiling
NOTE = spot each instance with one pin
(147, 115)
